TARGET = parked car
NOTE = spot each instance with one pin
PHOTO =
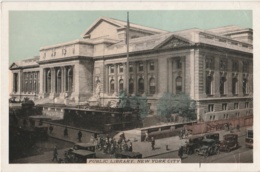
(77, 156)
(193, 142)
(249, 140)
(126, 154)
(230, 141)
(209, 147)
(84, 146)
(214, 136)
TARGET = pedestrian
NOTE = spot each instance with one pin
(152, 143)
(79, 135)
(51, 129)
(66, 132)
(180, 152)
(146, 136)
(130, 148)
(55, 154)
(180, 134)
(238, 127)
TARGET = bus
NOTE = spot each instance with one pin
(249, 137)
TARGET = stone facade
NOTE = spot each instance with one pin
(214, 67)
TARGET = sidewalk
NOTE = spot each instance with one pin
(145, 148)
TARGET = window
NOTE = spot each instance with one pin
(48, 82)
(245, 66)
(235, 66)
(210, 63)
(225, 116)
(131, 68)
(224, 106)
(245, 89)
(58, 82)
(121, 69)
(152, 86)
(213, 117)
(235, 105)
(151, 66)
(222, 85)
(15, 85)
(112, 69)
(209, 85)
(223, 65)
(234, 86)
(237, 114)
(131, 86)
(121, 85)
(246, 104)
(69, 83)
(112, 86)
(210, 107)
(178, 85)
(141, 67)
(178, 64)
(141, 86)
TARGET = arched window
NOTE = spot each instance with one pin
(222, 85)
(131, 86)
(152, 86)
(141, 86)
(70, 80)
(209, 85)
(121, 85)
(48, 82)
(245, 86)
(234, 86)
(178, 84)
(58, 81)
(112, 86)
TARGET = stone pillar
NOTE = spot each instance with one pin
(62, 80)
(53, 78)
(217, 77)
(106, 80)
(135, 77)
(169, 75)
(42, 76)
(116, 78)
(145, 78)
(20, 90)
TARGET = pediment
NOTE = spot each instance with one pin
(14, 66)
(174, 42)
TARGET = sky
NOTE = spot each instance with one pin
(30, 30)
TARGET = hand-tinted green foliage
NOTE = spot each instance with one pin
(181, 104)
(134, 102)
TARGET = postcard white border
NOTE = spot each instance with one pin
(7, 6)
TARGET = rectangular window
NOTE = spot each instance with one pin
(245, 66)
(235, 105)
(224, 106)
(131, 68)
(210, 107)
(223, 65)
(210, 63)
(121, 69)
(112, 70)
(141, 67)
(246, 104)
(151, 66)
(235, 66)
(178, 64)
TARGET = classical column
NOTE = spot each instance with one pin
(53, 78)
(145, 77)
(62, 79)
(116, 78)
(135, 77)
(106, 81)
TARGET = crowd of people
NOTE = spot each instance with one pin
(110, 145)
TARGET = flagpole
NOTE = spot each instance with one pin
(127, 55)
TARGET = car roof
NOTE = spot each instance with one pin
(230, 135)
(83, 152)
(208, 140)
(196, 136)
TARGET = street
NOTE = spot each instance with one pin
(240, 155)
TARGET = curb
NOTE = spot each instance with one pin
(160, 153)
(61, 139)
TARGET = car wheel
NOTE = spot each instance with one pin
(228, 149)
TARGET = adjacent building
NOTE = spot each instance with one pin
(214, 67)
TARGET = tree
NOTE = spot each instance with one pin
(134, 102)
(180, 103)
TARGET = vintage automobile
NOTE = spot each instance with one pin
(230, 141)
(77, 156)
(84, 146)
(130, 155)
(209, 147)
(214, 136)
(193, 143)
(249, 140)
